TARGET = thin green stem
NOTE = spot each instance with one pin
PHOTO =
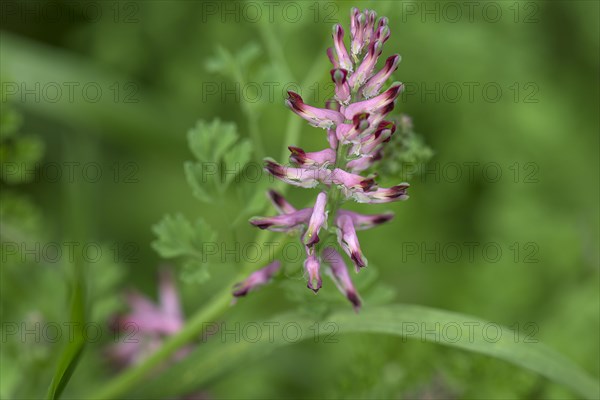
(219, 303)
(194, 327)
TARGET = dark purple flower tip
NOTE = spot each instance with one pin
(387, 109)
(277, 199)
(358, 260)
(274, 168)
(391, 64)
(295, 101)
(378, 155)
(298, 155)
(398, 191)
(394, 90)
(367, 183)
(339, 75)
(354, 299)
(260, 223)
(315, 288)
(256, 279)
(383, 218)
(361, 121)
(386, 125)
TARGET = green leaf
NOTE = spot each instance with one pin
(225, 63)
(209, 141)
(178, 237)
(195, 272)
(214, 358)
(407, 153)
(197, 177)
(103, 278)
(219, 157)
(236, 159)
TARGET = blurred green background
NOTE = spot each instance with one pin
(506, 94)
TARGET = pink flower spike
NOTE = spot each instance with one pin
(317, 220)
(342, 89)
(318, 158)
(373, 85)
(349, 241)
(339, 273)
(371, 105)
(283, 222)
(382, 195)
(364, 221)
(319, 117)
(280, 203)
(340, 48)
(312, 267)
(256, 279)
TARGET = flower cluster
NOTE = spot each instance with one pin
(357, 130)
(147, 324)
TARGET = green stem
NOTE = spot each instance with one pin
(217, 306)
(219, 303)
(193, 328)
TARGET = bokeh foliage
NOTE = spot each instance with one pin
(163, 66)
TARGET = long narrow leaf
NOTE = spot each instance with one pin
(212, 359)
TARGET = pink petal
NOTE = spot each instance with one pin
(319, 117)
(256, 279)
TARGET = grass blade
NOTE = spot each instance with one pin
(212, 359)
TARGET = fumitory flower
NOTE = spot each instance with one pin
(357, 131)
(148, 324)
